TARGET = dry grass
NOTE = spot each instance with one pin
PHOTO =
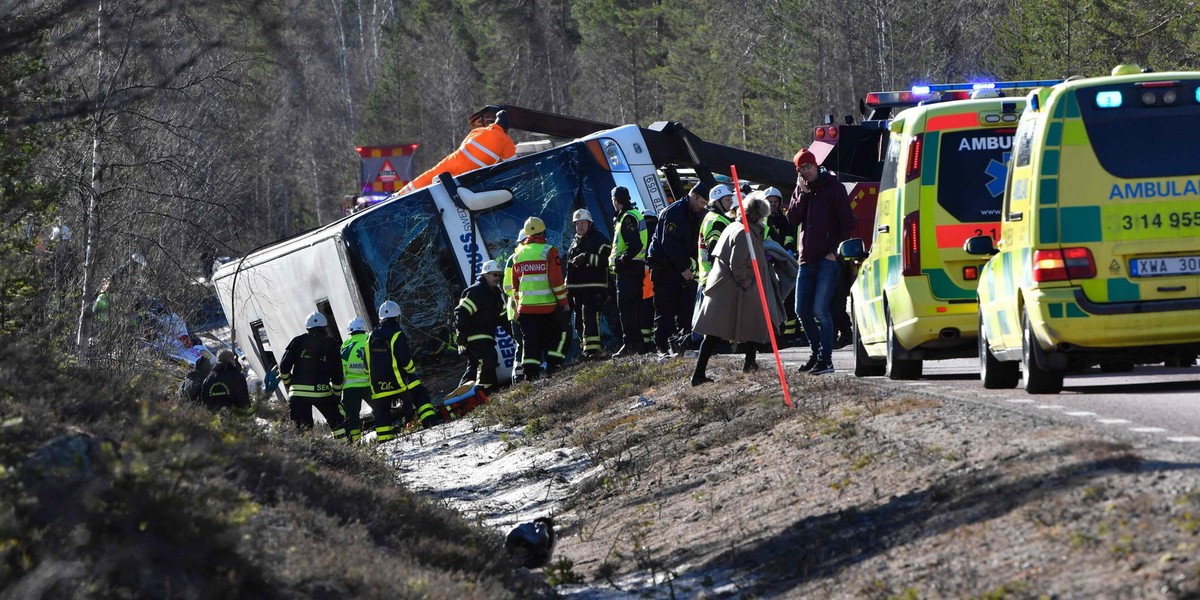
(179, 502)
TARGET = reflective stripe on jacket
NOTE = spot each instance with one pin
(388, 361)
(312, 367)
(483, 146)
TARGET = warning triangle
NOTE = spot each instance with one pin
(387, 173)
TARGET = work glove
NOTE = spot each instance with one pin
(562, 314)
(621, 262)
(462, 350)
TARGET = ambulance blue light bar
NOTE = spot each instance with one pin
(926, 89)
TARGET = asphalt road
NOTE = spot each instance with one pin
(1153, 400)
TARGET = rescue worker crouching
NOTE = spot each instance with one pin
(393, 374)
(587, 280)
(357, 386)
(311, 370)
(226, 387)
(628, 264)
(479, 312)
(540, 295)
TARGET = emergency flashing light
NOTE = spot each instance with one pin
(921, 90)
(987, 85)
(1198, 94)
(1111, 99)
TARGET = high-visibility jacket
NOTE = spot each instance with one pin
(510, 305)
(537, 277)
(711, 227)
(311, 367)
(479, 312)
(388, 361)
(483, 146)
(627, 246)
(354, 361)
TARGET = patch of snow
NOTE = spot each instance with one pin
(486, 473)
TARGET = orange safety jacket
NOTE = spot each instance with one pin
(483, 147)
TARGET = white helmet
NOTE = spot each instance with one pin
(388, 310)
(719, 192)
(357, 324)
(582, 215)
(316, 320)
(772, 192)
(492, 266)
(650, 214)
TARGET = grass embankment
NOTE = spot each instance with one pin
(113, 489)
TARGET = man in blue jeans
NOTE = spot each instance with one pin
(821, 210)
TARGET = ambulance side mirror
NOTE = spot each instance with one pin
(853, 249)
(980, 245)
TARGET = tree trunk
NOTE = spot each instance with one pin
(92, 231)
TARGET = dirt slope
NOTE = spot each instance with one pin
(865, 490)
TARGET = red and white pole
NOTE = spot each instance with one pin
(762, 293)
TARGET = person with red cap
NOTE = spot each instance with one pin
(820, 209)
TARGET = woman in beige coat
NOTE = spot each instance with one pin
(731, 309)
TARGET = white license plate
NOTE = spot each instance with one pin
(1166, 265)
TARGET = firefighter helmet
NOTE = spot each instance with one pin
(389, 310)
(316, 320)
(492, 266)
(719, 192)
(534, 226)
(356, 325)
(582, 214)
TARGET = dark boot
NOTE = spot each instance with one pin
(707, 348)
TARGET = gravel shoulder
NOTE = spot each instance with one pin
(864, 490)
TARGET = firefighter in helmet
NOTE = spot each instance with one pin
(479, 313)
(540, 294)
(393, 374)
(311, 370)
(587, 280)
(357, 388)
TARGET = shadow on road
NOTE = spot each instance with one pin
(821, 545)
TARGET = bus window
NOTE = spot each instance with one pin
(262, 345)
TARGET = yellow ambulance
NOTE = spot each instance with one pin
(1098, 261)
(943, 181)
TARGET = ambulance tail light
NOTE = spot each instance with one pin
(912, 167)
(1064, 264)
(911, 240)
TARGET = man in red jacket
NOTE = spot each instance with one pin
(821, 211)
